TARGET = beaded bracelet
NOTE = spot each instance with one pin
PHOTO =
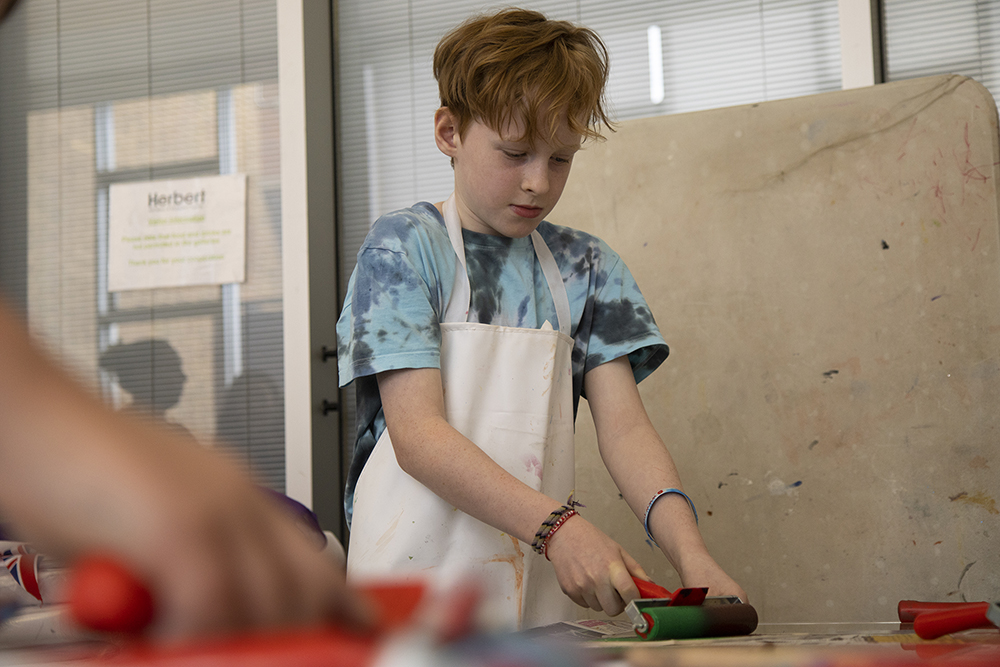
(547, 527)
(659, 494)
(559, 522)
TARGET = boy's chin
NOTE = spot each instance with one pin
(507, 227)
(519, 228)
(520, 234)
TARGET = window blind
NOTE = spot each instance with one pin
(707, 53)
(98, 92)
(927, 37)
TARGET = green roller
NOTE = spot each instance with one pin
(692, 622)
(674, 623)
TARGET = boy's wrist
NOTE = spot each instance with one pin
(671, 513)
(551, 523)
(675, 532)
(664, 495)
(690, 559)
(568, 534)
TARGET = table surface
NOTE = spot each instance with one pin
(772, 645)
(811, 645)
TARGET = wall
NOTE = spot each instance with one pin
(825, 270)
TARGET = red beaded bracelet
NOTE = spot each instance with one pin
(547, 526)
(558, 524)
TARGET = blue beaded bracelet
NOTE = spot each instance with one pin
(659, 494)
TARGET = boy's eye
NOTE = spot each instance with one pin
(562, 160)
(514, 155)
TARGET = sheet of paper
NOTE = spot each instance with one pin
(176, 233)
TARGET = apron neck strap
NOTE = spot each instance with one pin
(554, 278)
(461, 294)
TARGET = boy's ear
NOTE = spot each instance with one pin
(446, 131)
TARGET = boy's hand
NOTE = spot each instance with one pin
(702, 570)
(592, 569)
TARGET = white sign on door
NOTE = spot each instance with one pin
(177, 233)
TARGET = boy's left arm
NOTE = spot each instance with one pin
(640, 465)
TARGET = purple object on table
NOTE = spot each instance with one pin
(303, 514)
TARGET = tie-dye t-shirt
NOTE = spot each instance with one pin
(404, 278)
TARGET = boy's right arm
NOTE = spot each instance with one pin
(592, 569)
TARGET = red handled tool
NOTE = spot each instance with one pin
(682, 596)
(965, 616)
(908, 610)
(647, 589)
(103, 595)
(687, 613)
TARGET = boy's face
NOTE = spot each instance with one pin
(505, 187)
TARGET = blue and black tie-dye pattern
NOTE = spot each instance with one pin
(404, 278)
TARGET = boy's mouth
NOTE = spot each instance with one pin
(526, 211)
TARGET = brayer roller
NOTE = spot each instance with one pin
(688, 613)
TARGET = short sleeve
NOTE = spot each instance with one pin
(390, 318)
(619, 322)
(623, 324)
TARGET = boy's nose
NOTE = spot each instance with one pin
(535, 178)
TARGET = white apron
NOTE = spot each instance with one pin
(510, 391)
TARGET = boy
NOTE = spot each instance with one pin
(472, 327)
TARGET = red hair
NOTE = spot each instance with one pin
(516, 64)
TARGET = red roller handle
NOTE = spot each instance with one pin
(933, 624)
(106, 596)
(908, 610)
(682, 597)
(647, 589)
